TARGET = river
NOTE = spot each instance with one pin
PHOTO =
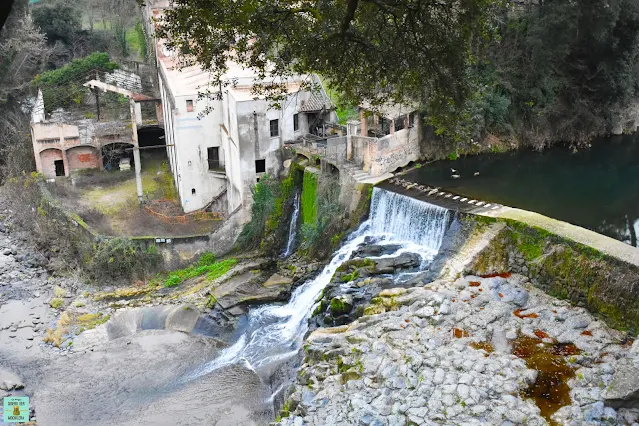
(596, 188)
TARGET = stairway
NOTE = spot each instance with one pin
(360, 176)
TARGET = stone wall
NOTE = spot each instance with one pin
(603, 284)
(394, 151)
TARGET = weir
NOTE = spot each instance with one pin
(275, 333)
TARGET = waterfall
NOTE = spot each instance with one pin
(293, 226)
(275, 333)
(408, 219)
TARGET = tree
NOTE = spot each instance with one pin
(60, 22)
(378, 50)
(22, 54)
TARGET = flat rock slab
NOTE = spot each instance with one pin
(277, 279)
(624, 389)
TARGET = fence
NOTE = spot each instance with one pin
(198, 216)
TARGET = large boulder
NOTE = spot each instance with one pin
(624, 389)
(388, 265)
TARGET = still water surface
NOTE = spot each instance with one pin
(597, 188)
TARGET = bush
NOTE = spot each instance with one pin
(207, 258)
(121, 259)
(263, 204)
(64, 86)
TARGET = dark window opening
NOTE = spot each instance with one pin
(275, 128)
(258, 180)
(215, 163)
(189, 106)
(411, 120)
(260, 166)
(59, 167)
(296, 122)
(400, 122)
(192, 191)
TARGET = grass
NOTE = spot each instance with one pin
(56, 303)
(212, 272)
(133, 41)
(71, 322)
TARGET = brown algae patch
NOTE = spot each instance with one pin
(550, 391)
(488, 347)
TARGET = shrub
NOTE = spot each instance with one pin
(122, 259)
(207, 258)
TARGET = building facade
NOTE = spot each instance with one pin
(219, 146)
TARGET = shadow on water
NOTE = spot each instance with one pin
(596, 188)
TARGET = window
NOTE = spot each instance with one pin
(296, 122)
(189, 106)
(275, 128)
(215, 163)
(192, 191)
(411, 120)
(260, 166)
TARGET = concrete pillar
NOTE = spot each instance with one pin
(65, 161)
(392, 127)
(136, 151)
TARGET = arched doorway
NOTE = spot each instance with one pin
(117, 153)
(152, 147)
(52, 163)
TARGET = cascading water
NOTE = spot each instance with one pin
(275, 333)
(293, 226)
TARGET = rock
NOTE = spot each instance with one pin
(277, 279)
(624, 389)
(391, 264)
(341, 305)
(182, 318)
(10, 381)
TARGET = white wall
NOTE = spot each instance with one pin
(193, 135)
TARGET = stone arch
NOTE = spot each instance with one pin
(112, 153)
(83, 157)
(52, 163)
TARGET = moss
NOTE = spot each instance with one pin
(350, 277)
(89, 321)
(59, 292)
(338, 307)
(211, 301)
(122, 293)
(56, 303)
(358, 263)
(309, 202)
(567, 270)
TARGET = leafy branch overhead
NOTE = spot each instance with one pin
(378, 50)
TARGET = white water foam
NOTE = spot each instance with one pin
(275, 333)
(293, 226)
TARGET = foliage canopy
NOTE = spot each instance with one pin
(378, 50)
